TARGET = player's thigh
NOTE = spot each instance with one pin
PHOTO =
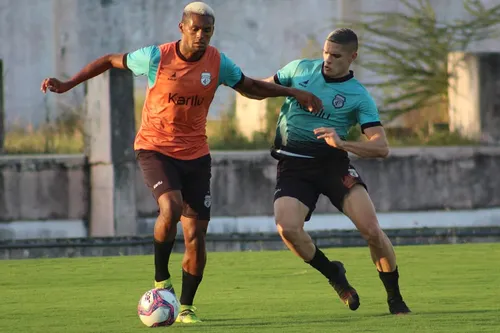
(294, 202)
(196, 178)
(358, 206)
(338, 184)
(159, 172)
(290, 213)
(348, 192)
(170, 205)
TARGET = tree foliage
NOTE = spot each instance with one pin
(410, 48)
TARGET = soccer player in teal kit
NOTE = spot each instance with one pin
(312, 154)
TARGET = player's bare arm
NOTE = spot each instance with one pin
(91, 70)
(263, 89)
(269, 79)
(376, 146)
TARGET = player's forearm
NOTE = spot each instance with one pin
(251, 96)
(93, 69)
(369, 149)
(260, 90)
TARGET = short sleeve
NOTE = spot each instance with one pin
(145, 61)
(368, 115)
(284, 75)
(229, 73)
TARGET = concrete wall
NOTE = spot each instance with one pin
(43, 187)
(57, 37)
(416, 179)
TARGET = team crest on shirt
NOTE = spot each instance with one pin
(206, 78)
(338, 101)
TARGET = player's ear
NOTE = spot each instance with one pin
(354, 56)
(181, 27)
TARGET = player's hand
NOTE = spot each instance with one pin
(308, 101)
(55, 86)
(330, 136)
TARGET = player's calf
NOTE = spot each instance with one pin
(165, 229)
(195, 257)
(359, 208)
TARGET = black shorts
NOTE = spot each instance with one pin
(192, 177)
(306, 178)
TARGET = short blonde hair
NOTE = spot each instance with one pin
(199, 8)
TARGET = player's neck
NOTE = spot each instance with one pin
(186, 54)
(338, 78)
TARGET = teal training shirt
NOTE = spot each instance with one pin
(345, 100)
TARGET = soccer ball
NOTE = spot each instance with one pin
(158, 307)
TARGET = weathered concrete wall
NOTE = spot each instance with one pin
(410, 179)
(43, 187)
(57, 37)
(55, 187)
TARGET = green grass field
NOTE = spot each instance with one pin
(450, 288)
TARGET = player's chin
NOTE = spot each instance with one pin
(330, 72)
(199, 47)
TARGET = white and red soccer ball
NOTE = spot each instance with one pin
(158, 307)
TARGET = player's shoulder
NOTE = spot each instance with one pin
(169, 46)
(305, 66)
(147, 49)
(308, 64)
(223, 55)
(357, 87)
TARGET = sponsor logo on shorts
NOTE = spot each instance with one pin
(157, 184)
(349, 181)
(353, 173)
(208, 201)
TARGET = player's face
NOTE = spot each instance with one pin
(337, 59)
(197, 30)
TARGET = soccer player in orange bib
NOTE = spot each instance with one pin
(171, 145)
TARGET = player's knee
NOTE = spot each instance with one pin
(194, 240)
(289, 231)
(290, 215)
(373, 234)
(170, 207)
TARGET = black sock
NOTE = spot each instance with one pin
(391, 284)
(325, 267)
(162, 257)
(190, 285)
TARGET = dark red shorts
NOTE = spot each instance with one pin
(192, 177)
